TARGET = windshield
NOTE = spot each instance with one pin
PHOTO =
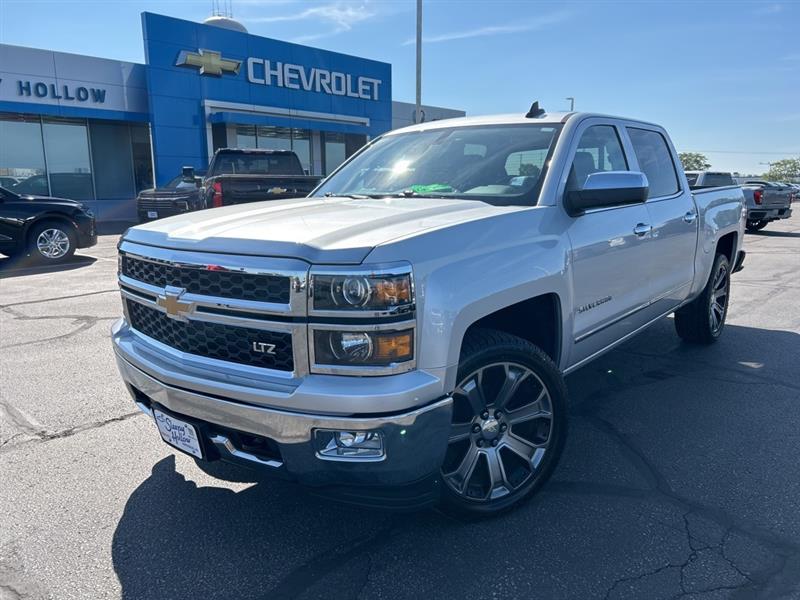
(179, 183)
(242, 163)
(496, 164)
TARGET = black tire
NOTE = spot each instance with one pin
(491, 362)
(695, 322)
(62, 249)
(756, 225)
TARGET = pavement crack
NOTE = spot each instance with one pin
(42, 436)
(781, 549)
(42, 300)
(82, 323)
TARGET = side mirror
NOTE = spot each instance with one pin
(187, 174)
(607, 188)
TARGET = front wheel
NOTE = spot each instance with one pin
(509, 424)
(756, 225)
(52, 242)
(702, 320)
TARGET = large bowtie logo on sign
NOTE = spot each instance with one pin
(209, 62)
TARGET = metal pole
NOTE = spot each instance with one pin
(418, 111)
(571, 103)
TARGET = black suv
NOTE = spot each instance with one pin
(49, 229)
(180, 195)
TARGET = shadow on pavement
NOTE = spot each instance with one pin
(272, 540)
(773, 233)
(178, 540)
(19, 266)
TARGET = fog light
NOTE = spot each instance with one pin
(349, 445)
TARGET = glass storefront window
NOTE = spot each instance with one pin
(66, 146)
(275, 138)
(113, 169)
(334, 151)
(75, 158)
(142, 157)
(246, 136)
(339, 147)
(22, 166)
(301, 144)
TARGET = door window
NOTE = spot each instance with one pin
(655, 161)
(599, 149)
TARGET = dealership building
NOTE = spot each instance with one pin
(100, 130)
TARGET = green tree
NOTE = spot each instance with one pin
(786, 169)
(694, 161)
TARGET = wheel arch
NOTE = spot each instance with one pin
(727, 245)
(48, 217)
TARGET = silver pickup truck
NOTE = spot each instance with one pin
(766, 201)
(401, 337)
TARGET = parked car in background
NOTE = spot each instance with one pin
(8, 182)
(237, 176)
(182, 194)
(401, 337)
(767, 201)
(48, 229)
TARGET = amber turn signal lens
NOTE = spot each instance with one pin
(394, 347)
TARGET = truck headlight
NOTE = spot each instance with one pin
(363, 348)
(387, 289)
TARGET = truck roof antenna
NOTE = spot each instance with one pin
(535, 111)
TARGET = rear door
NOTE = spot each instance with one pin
(673, 217)
(609, 278)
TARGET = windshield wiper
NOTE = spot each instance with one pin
(353, 196)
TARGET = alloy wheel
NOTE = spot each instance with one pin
(718, 304)
(53, 243)
(502, 428)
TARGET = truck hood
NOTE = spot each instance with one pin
(318, 230)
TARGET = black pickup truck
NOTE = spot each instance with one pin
(236, 176)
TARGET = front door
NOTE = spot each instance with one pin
(609, 278)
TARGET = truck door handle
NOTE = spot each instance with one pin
(690, 217)
(642, 229)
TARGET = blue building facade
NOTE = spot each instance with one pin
(204, 81)
(100, 130)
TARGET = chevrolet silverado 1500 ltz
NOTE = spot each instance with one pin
(402, 335)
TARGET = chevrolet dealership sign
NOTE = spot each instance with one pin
(261, 71)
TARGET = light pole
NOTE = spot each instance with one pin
(571, 103)
(418, 111)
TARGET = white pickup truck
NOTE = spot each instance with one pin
(401, 336)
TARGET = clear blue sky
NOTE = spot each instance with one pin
(723, 77)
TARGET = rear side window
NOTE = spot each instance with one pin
(599, 149)
(655, 161)
(692, 178)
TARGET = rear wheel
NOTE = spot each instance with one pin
(52, 242)
(756, 225)
(509, 424)
(702, 320)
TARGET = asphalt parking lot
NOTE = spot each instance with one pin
(681, 476)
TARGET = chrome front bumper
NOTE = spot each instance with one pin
(415, 440)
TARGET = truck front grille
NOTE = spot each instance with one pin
(214, 340)
(209, 282)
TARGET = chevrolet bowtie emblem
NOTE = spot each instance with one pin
(209, 62)
(172, 304)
